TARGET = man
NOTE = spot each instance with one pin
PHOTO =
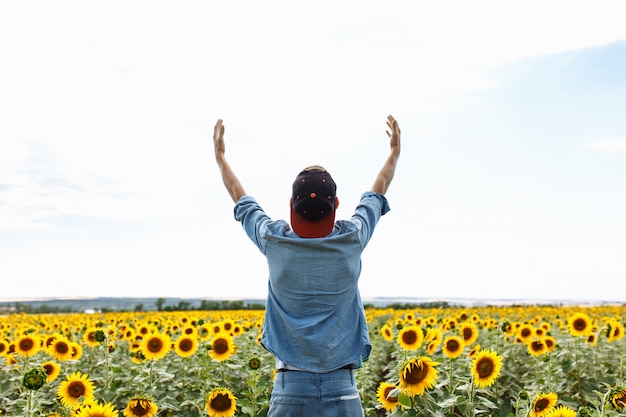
(314, 323)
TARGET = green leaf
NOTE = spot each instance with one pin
(404, 400)
(448, 402)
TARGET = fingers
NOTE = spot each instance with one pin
(218, 131)
(393, 126)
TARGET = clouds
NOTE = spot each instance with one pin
(608, 145)
(510, 113)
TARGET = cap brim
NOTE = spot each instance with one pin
(305, 228)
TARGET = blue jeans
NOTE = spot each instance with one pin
(308, 394)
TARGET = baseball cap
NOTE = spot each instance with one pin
(313, 198)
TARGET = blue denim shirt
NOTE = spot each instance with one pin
(314, 318)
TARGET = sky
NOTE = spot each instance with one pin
(511, 183)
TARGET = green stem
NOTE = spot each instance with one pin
(449, 364)
(107, 358)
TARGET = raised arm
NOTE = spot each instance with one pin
(384, 177)
(231, 182)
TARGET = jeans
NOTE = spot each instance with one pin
(308, 394)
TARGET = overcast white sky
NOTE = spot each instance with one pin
(511, 183)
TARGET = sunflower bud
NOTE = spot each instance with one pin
(99, 336)
(34, 379)
(254, 363)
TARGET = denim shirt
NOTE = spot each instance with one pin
(314, 318)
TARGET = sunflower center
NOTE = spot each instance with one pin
(76, 389)
(485, 368)
(220, 346)
(139, 409)
(389, 398)
(453, 345)
(409, 337)
(62, 347)
(185, 345)
(26, 344)
(155, 345)
(416, 373)
(580, 324)
(467, 334)
(221, 402)
(541, 404)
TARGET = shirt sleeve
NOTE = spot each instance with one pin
(367, 214)
(253, 219)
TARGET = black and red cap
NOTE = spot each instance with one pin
(313, 202)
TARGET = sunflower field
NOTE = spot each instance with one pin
(495, 361)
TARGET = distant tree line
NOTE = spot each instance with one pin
(412, 306)
(182, 305)
(208, 305)
(39, 309)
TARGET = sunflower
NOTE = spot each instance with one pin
(215, 329)
(77, 350)
(543, 404)
(96, 409)
(469, 333)
(591, 339)
(27, 345)
(474, 351)
(204, 332)
(74, 387)
(254, 363)
(453, 346)
(34, 379)
(144, 329)
(536, 347)
(89, 337)
(417, 375)
(389, 402)
(525, 332)
(410, 338)
(221, 403)
(189, 330)
(387, 332)
(431, 348)
(227, 326)
(186, 346)
(52, 370)
(237, 330)
(141, 406)
(156, 346)
(48, 339)
(618, 398)
(579, 324)
(561, 411)
(4, 347)
(10, 359)
(486, 367)
(60, 349)
(550, 343)
(434, 334)
(508, 328)
(222, 346)
(615, 331)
